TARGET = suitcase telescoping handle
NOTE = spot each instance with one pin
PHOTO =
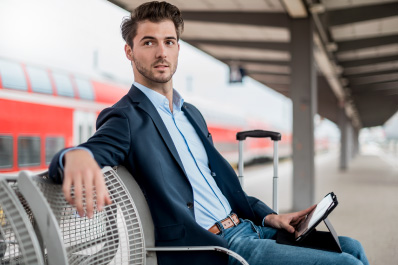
(275, 136)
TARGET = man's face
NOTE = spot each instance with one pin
(155, 52)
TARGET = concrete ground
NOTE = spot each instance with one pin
(367, 194)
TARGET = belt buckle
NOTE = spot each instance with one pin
(230, 217)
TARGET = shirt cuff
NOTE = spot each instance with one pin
(61, 156)
(263, 222)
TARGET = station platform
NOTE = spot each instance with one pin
(367, 194)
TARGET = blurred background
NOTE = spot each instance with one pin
(323, 73)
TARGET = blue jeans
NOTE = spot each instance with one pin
(258, 246)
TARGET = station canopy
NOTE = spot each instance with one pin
(355, 47)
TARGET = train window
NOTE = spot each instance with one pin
(12, 75)
(85, 89)
(64, 85)
(53, 145)
(28, 151)
(6, 151)
(40, 80)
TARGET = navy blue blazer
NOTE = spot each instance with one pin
(132, 133)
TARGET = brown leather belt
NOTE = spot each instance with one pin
(230, 221)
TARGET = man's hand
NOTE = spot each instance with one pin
(82, 171)
(287, 221)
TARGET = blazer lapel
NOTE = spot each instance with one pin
(216, 161)
(202, 132)
(146, 105)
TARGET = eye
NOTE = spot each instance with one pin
(170, 42)
(148, 43)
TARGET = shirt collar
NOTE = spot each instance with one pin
(158, 100)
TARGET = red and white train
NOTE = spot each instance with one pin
(44, 110)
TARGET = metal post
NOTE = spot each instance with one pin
(343, 124)
(240, 165)
(303, 92)
(275, 179)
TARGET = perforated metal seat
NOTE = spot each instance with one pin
(112, 236)
(121, 234)
(18, 241)
(147, 222)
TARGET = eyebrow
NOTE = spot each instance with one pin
(153, 38)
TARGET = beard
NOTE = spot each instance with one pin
(150, 74)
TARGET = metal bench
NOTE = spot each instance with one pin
(18, 241)
(112, 236)
(122, 233)
(147, 223)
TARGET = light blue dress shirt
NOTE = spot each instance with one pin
(210, 205)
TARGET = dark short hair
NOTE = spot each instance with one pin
(155, 12)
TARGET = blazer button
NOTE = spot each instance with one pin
(190, 205)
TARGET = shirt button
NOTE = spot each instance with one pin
(190, 205)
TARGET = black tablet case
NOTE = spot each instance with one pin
(323, 240)
(328, 241)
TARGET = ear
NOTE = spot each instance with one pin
(128, 51)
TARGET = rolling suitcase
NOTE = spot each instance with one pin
(275, 136)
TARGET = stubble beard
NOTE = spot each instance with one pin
(149, 73)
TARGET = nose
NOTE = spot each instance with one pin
(161, 51)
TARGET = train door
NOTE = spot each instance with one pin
(83, 126)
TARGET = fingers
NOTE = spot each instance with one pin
(66, 188)
(88, 188)
(297, 217)
(282, 221)
(306, 211)
(287, 221)
(298, 220)
(288, 227)
(84, 175)
(103, 197)
(79, 197)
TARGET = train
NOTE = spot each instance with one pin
(43, 110)
(53, 87)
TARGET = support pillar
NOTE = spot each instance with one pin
(344, 139)
(304, 97)
(350, 142)
(356, 142)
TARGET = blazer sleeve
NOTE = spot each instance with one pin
(110, 144)
(260, 209)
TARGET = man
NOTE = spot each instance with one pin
(193, 193)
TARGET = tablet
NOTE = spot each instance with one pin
(319, 213)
